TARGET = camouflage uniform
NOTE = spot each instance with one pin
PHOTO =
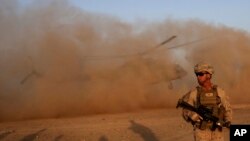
(204, 132)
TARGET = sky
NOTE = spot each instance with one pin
(230, 13)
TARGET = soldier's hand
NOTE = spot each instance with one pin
(227, 124)
(196, 117)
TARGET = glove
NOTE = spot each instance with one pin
(227, 124)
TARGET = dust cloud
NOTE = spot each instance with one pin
(57, 60)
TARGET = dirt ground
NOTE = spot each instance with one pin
(147, 125)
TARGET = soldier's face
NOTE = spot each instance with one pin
(202, 77)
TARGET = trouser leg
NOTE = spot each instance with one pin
(202, 135)
(208, 135)
(217, 135)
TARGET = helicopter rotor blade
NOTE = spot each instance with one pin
(129, 55)
(159, 45)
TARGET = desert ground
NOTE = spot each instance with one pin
(145, 125)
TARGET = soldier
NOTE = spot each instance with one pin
(212, 97)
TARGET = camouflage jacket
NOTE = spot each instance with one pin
(191, 98)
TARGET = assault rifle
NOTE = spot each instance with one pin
(204, 112)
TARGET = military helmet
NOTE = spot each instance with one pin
(203, 67)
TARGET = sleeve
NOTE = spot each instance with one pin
(189, 115)
(226, 104)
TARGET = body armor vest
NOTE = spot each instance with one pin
(210, 100)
